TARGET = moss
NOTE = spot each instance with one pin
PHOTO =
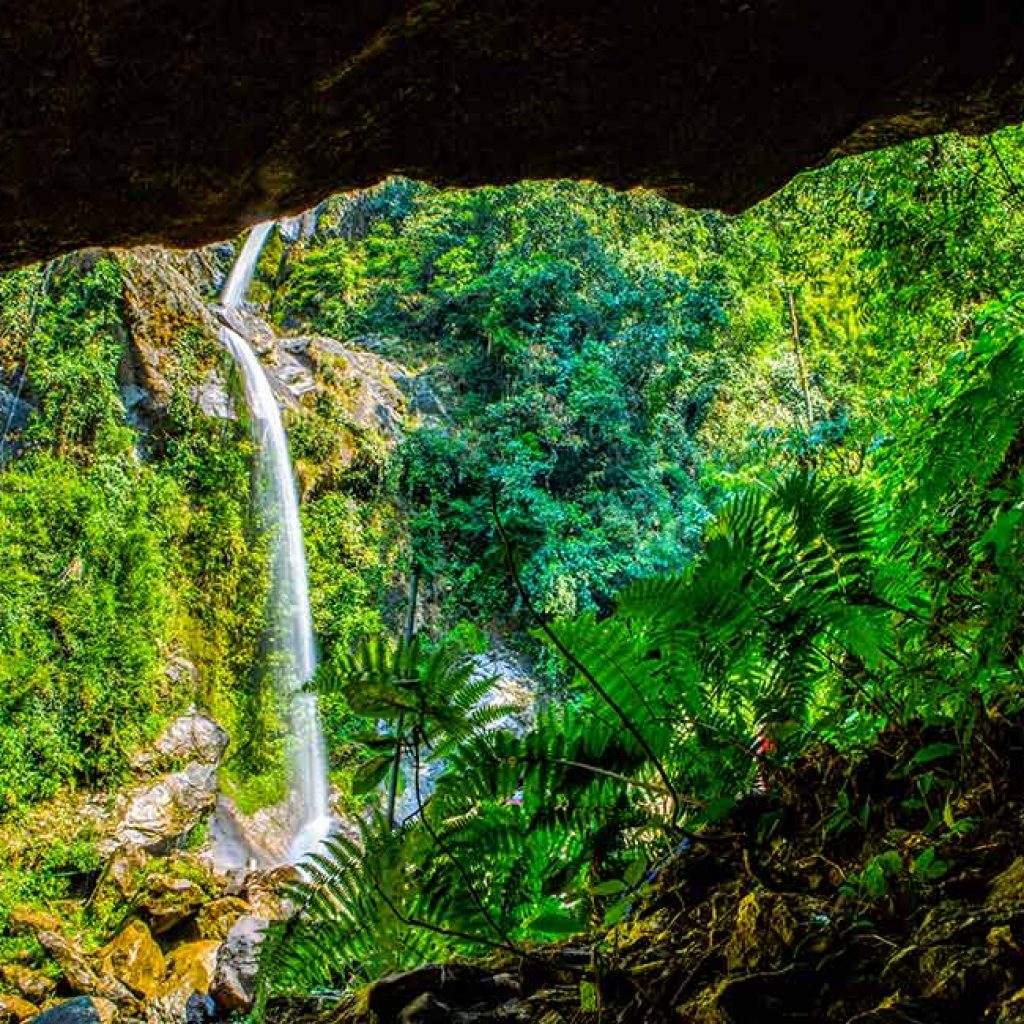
(251, 792)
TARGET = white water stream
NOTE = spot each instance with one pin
(292, 622)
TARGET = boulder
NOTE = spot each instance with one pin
(213, 399)
(14, 1009)
(159, 814)
(169, 901)
(262, 890)
(67, 954)
(200, 1009)
(256, 331)
(427, 994)
(190, 970)
(217, 918)
(82, 1010)
(32, 985)
(194, 737)
(133, 958)
(126, 872)
(234, 980)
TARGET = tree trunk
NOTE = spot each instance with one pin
(801, 366)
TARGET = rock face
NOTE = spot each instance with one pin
(162, 301)
(189, 973)
(79, 974)
(14, 1008)
(32, 985)
(159, 814)
(135, 960)
(107, 134)
(192, 737)
(234, 981)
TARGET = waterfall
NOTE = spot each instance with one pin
(292, 621)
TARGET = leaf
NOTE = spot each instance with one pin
(588, 997)
(947, 815)
(557, 922)
(873, 879)
(933, 752)
(635, 870)
(370, 774)
(928, 866)
(610, 888)
(617, 911)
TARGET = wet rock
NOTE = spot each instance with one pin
(14, 1008)
(159, 814)
(200, 1009)
(31, 985)
(213, 399)
(253, 328)
(133, 958)
(82, 1010)
(292, 376)
(190, 970)
(217, 918)
(234, 844)
(67, 954)
(234, 981)
(262, 890)
(169, 901)
(193, 737)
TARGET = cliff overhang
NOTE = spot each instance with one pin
(124, 121)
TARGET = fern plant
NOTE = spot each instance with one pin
(418, 700)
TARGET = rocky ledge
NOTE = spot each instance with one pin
(183, 925)
(109, 135)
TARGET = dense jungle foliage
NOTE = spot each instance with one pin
(729, 485)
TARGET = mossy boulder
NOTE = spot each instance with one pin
(31, 985)
(190, 971)
(14, 1009)
(134, 958)
(217, 918)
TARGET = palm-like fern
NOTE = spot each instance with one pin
(518, 824)
(420, 700)
(747, 635)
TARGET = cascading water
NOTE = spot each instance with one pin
(292, 621)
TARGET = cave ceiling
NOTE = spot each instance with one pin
(179, 121)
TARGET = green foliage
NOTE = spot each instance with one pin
(571, 364)
(86, 594)
(817, 606)
(761, 477)
(114, 568)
